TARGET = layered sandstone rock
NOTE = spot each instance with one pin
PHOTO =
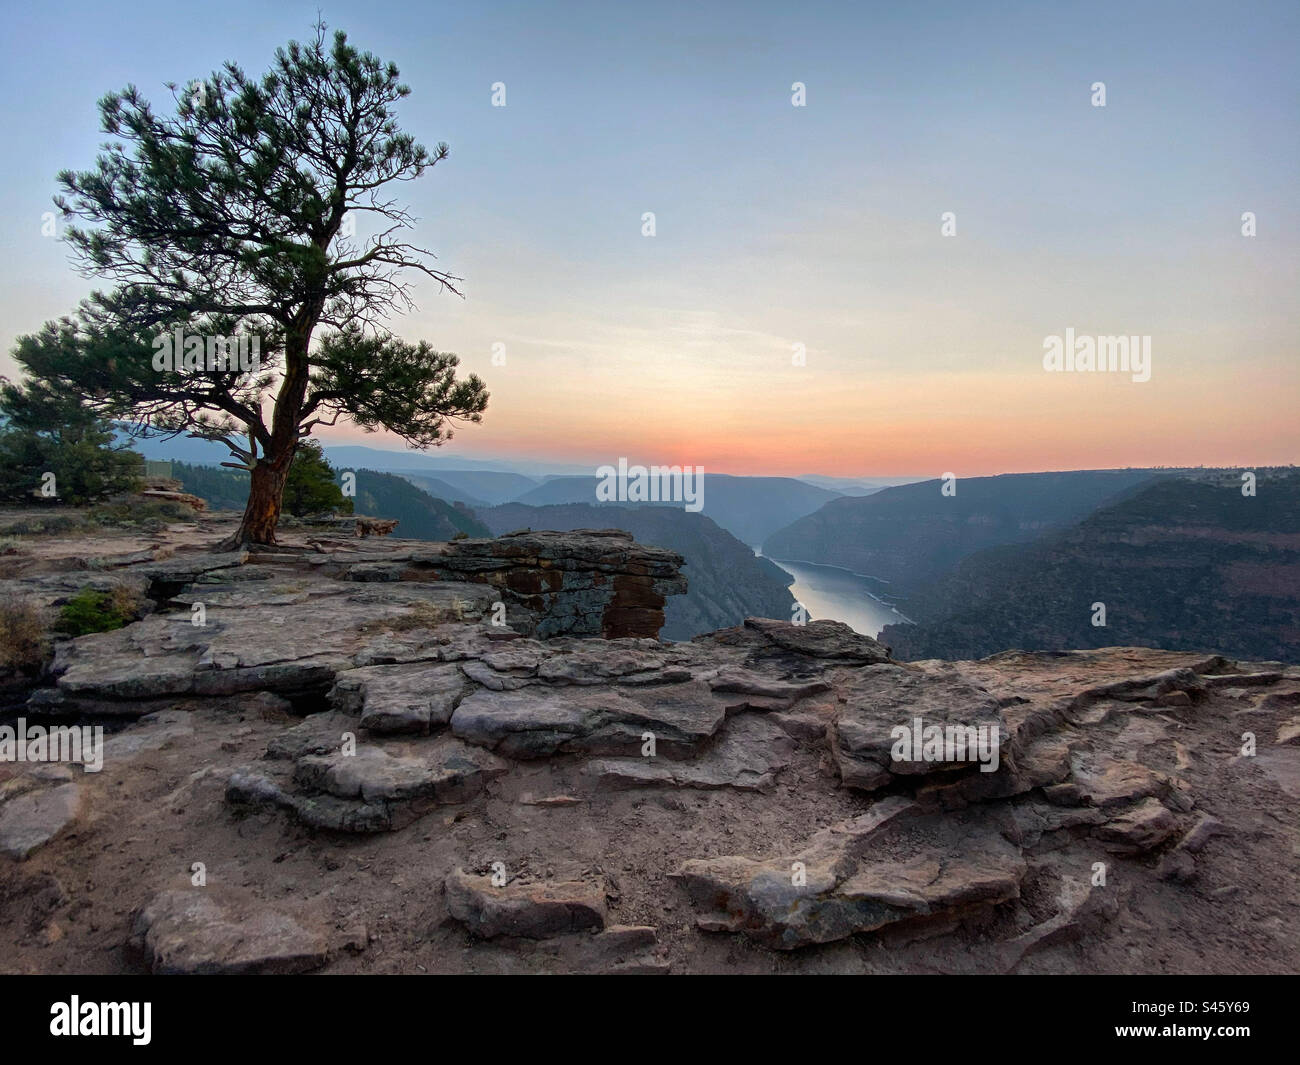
(349, 742)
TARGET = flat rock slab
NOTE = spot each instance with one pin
(1034, 819)
(189, 932)
(1137, 689)
(622, 660)
(623, 950)
(748, 756)
(747, 682)
(377, 789)
(535, 910)
(495, 680)
(250, 788)
(445, 770)
(537, 722)
(882, 698)
(30, 820)
(632, 662)
(829, 640)
(890, 865)
(399, 698)
(252, 640)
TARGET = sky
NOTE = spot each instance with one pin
(781, 229)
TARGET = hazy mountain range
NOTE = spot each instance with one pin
(905, 535)
(750, 508)
(352, 456)
(1180, 558)
(1181, 564)
(478, 488)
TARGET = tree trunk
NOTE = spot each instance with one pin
(262, 512)
(266, 481)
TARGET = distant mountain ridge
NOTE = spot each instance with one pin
(1183, 565)
(726, 581)
(909, 534)
(420, 516)
(489, 487)
(440, 489)
(855, 486)
(198, 452)
(750, 508)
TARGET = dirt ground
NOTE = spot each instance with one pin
(150, 817)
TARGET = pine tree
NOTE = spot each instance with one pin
(52, 441)
(227, 220)
(310, 487)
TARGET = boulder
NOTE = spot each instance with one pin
(1141, 828)
(191, 932)
(533, 910)
(446, 771)
(890, 865)
(319, 733)
(31, 818)
(1108, 782)
(832, 640)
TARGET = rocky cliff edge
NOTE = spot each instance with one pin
(477, 757)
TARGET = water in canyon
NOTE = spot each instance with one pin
(831, 593)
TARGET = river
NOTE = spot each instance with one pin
(831, 593)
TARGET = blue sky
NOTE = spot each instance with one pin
(779, 225)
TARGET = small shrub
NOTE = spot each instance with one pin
(153, 515)
(44, 526)
(64, 441)
(97, 610)
(24, 638)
